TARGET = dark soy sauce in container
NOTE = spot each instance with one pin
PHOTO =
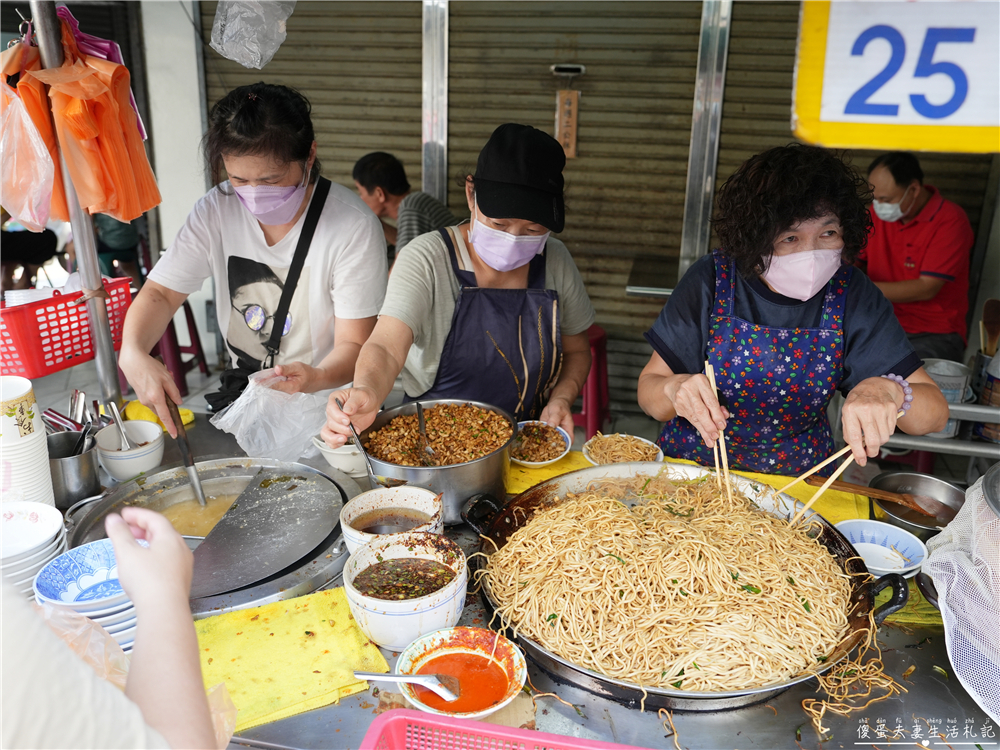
(390, 520)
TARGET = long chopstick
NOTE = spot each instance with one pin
(816, 468)
(710, 372)
(821, 490)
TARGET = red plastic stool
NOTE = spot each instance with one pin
(596, 403)
(170, 349)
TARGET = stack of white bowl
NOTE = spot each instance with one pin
(85, 579)
(33, 534)
(23, 296)
(24, 452)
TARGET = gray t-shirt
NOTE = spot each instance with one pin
(423, 291)
(420, 213)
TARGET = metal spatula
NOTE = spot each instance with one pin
(443, 685)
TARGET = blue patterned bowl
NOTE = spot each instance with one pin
(84, 578)
(884, 548)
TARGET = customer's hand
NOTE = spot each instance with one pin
(557, 413)
(299, 378)
(360, 407)
(869, 416)
(155, 576)
(152, 383)
(695, 400)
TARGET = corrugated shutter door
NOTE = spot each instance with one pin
(625, 191)
(756, 112)
(359, 63)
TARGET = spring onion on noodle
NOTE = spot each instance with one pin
(685, 590)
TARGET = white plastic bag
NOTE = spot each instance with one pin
(250, 32)
(272, 424)
(26, 169)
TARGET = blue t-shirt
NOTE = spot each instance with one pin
(874, 341)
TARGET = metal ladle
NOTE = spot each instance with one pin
(373, 479)
(127, 444)
(430, 457)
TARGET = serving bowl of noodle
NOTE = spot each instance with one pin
(619, 448)
(648, 584)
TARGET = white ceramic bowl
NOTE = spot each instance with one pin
(463, 641)
(27, 529)
(414, 498)
(884, 548)
(394, 624)
(84, 578)
(535, 464)
(116, 620)
(347, 458)
(586, 451)
(109, 611)
(25, 568)
(126, 465)
(119, 627)
(124, 637)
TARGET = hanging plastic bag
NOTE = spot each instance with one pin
(26, 168)
(273, 424)
(250, 32)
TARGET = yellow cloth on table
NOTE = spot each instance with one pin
(917, 612)
(136, 410)
(522, 478)
(287, 657)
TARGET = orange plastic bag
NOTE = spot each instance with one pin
(26, 170)
(16, 61)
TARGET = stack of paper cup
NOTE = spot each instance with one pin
(24, 453)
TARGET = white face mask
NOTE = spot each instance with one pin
(890, 211)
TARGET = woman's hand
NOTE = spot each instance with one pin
(152, 384)
(557, 413)
(299, 378)
(360, 407)
(693, 398)
(869, 416)
(152, 576)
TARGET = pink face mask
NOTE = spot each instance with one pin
(502, 251)
(273, 204)
(802, 275)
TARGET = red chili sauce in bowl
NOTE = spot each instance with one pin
(482, 682)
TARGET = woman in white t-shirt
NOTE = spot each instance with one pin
(243, 234)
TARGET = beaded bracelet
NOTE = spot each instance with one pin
(907, 390)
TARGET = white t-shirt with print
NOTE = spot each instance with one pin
(344, 275)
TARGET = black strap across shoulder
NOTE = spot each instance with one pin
(295, 270)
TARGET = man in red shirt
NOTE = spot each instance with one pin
(918, 255)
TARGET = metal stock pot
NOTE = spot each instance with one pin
(458, 482)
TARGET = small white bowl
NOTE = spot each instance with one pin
(38, 558)
(347, 458)
(126, 465)
(586, 448)
(394, 624)
(31, 569)
(413, 498)
(535, 464)
(884, 548)
(464, 641)
(26, 529)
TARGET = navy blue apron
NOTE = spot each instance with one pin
(504, 347)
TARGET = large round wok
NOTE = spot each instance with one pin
(498, 524)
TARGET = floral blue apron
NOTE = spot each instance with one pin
(777, 381)
(504, 347)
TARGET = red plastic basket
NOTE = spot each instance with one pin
(403, 729)
(43, 337)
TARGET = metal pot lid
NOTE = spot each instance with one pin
(991, 488)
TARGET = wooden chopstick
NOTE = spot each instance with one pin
(821, 490)
(710, 373)
(816, 468)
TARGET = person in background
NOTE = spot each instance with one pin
(918, 255)
(24, 249)
(382, 184)
(244, 234)
(118, 241)
(785, 320)
(52, 698)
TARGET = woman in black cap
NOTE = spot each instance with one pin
(493, 310)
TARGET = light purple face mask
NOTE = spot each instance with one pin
(802, 275)
(502, 251)
(273, 204)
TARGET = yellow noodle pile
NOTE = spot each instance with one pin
(683, 591)
(618, 448)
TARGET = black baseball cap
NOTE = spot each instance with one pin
(519, 176)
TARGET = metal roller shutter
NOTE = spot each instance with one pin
(625, 191)
(757, 105)
(359, 63)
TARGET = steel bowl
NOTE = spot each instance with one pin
(921, 526)
(457, 482)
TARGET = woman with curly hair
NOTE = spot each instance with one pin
(784, 319)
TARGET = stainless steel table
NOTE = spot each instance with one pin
(932, 697)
